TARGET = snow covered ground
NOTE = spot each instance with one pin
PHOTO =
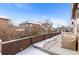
(42, 43)
(35, 51)
(32, 51)
(53, 45)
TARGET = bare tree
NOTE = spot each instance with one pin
(48, 25)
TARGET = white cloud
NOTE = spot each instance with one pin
(23, 6)
(15, 23)
(3, 16)
(59, 22)
(18, 5)
(56, 22)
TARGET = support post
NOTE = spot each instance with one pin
(75, 26)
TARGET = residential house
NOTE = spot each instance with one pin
(4, 23)
(48, 27)
(35, 28)
(31, 28)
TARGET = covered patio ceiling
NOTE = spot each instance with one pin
(74, 7)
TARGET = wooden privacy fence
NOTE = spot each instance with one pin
(14, 46)
(0, 45)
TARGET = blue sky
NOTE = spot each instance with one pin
(57, 12)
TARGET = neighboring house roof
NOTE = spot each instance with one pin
(28, 23)
(4, 19)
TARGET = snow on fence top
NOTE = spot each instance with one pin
(18, 39)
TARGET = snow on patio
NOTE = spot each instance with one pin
(48, 47)
(32, 51)
(35, 51)
(53, 45)
(42, 43)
